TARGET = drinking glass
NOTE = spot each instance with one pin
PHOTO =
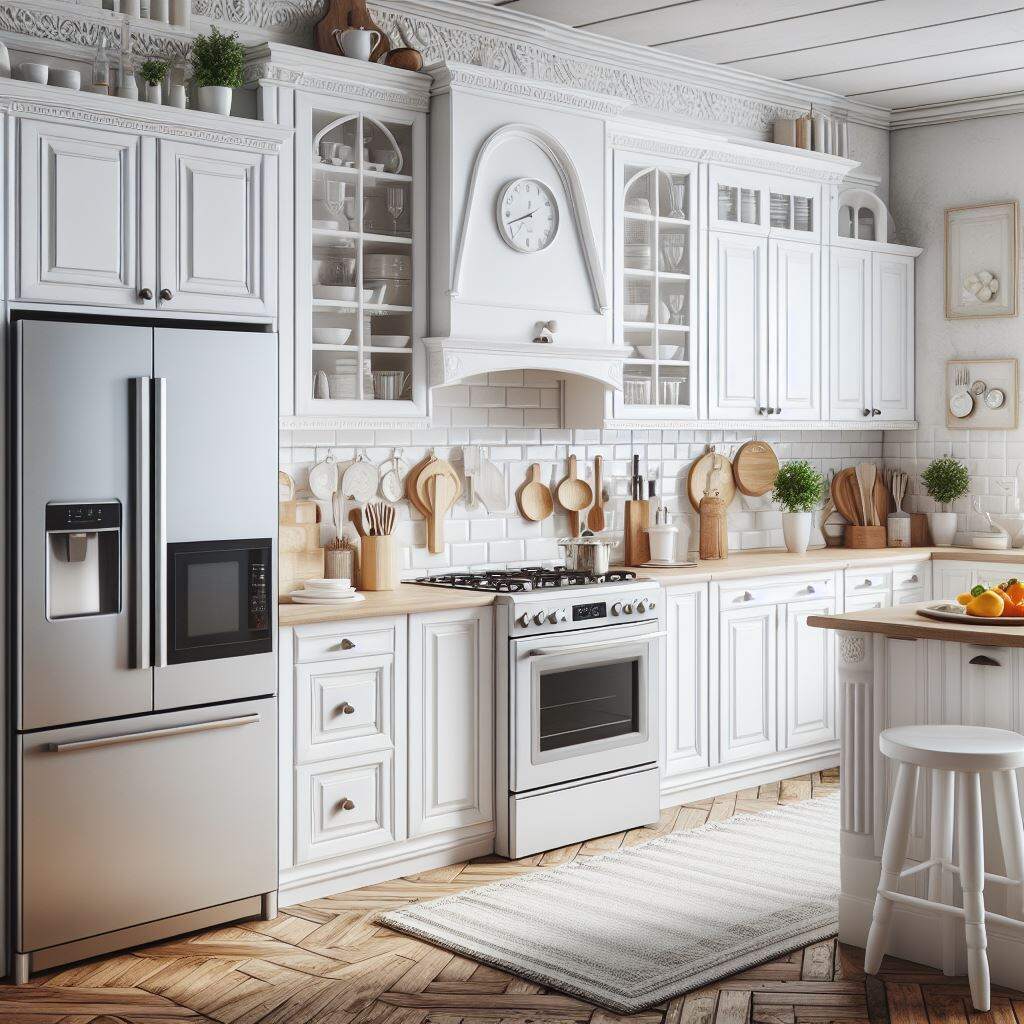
(676, 307)
(677, 199)
(345, 270)
(334, 197)
(673, 250)
(395, 201)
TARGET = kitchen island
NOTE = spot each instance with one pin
(896, 667)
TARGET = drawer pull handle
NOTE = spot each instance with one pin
(914, 579)
(866, 583)
(346, 709)
(810, 589)
(345, 645)
(346, 805)
(745, 596)
(984, 659)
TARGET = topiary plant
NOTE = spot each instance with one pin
(217, 59)
(946, 480)
(154, 71)
(798, 487)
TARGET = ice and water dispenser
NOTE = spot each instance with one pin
(83, 559)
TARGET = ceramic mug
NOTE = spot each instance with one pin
(357, 42)
(38, 73)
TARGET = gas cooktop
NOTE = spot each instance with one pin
(534, 577)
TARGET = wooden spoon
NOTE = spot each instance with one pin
(595, 517)
(534, 499)
(866, 482)
(574, 495)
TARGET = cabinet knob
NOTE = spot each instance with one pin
(778, 409)
(145, 294)
(346, 805)
(761, 410)
(346, 709)
(876, 412)
(346, 645)
(746, 596)
(166, 294)
(865, 412)
(810, 589)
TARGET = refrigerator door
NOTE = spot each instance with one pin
(127, 822)
(215, 466)
(81, 449)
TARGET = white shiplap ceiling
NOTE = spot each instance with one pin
(894, 54)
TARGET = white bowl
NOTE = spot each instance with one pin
(344, 292)
(331, 335)
(38, 73)
(389, 340)
(990, 541)
(65, 78)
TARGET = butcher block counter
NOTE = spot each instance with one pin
(897, 668)
(408, 599)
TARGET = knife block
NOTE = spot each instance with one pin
(865, 536)
(638, 518)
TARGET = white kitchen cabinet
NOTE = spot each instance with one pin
(892, 336)
(86, 215)
(808, 666)
(686, 739)
(217, 229)
(747, 666)
(737, 325)
(451, 716)
(794, 329)
(849, 334)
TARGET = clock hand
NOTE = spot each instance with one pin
(523, 217)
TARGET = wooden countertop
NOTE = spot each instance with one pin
(903, 623)
(411, 598)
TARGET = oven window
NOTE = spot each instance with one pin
(213, 599)
(593, 702)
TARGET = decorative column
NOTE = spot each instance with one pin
(856, 762)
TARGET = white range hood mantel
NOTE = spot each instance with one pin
(451, 360)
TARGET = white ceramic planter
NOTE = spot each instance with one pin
(796, 530)
(943, 528)
(154, 93)
(215, 99)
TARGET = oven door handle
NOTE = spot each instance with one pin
(597, 645)
(160, 521)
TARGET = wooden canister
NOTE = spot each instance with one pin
(714, 530)
(865, 536)
(638, 518)
(378, 564)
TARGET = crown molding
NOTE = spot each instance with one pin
(957, 110)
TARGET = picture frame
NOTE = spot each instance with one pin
(982, 248)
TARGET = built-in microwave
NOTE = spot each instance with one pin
(219, 599)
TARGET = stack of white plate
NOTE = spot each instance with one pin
(326, 592)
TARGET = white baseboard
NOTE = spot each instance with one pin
(728, 778)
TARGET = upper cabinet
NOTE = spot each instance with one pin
(125, 216)
(763, 204)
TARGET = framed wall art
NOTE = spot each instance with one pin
(981, 260)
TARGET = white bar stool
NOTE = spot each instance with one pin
(960, 752)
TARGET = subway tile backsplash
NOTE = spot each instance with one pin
(517, 416)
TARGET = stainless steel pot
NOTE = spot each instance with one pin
(589, 553)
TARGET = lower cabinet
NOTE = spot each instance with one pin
(686, 742)
(809, 666)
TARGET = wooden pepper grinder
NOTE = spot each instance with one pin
(714, 530)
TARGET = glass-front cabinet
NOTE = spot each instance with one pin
(656, 287)
(360, 240)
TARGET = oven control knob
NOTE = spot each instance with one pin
(555, 617)
(539, 618)
(641, 606)
(523, 620)
(627, 609)
(616, 609)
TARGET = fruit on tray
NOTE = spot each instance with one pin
(988, 604)
(1002, 600)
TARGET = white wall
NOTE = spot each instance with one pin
(933, 168)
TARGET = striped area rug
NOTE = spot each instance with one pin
(630, 929)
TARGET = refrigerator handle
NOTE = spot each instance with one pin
(142, 537)
(160, 520)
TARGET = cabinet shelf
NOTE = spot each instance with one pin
(679, 222)
(367, 307)
(664, 275)
(339, 235)
(353, 172)
(638, 361)
(353, 350)
(645, 325)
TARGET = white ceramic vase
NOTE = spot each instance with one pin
(943, 528)
(154, 92)
(176, 97)
(796, 530)
(215, 99)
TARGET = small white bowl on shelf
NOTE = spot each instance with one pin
(390, 340)
(344, 293)
(990, 541)
(331, 335)
(662, 352)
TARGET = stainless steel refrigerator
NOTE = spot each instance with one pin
(142, 633)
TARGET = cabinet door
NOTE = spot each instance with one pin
(747, 680)
(737, 327)
(849, 335)
(794, 329)
(451, 716)
(686, 739)
(892, 344)
(218, 235)
(951, 578)
(81, 216)
(737, 201)
(810, 673)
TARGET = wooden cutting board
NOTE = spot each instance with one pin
(343, 14)
(697, 479)
(410, 486)
(755, 468)
(846, 497)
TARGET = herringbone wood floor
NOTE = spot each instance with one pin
(326, 962)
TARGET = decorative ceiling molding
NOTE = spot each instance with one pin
(957, 110)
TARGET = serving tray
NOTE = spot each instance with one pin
(939, 612)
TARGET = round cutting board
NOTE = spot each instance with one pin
(697, 479)
(755, 468)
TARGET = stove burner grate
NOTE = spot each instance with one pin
(519, 580)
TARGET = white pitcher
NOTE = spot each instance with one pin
(357, 42)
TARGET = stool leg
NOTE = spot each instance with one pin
(940, 878)
(972, 878)
(1011, 835)
(894, 853)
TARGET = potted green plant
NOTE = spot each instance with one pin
(946, 480)
(217, 62)
(797, 492)
(153, 74)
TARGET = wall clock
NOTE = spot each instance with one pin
(527, 214)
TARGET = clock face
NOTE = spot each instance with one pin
(527, 215)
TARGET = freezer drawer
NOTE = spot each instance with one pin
(131, 821)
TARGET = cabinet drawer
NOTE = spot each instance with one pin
(913, 578)
(863, 581)
(908, 596)
(344, 707)
(359, 639)
(346, 805)
(776, 592)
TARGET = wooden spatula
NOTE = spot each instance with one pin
(440, 498)
(535, 501)
(596, 517)
(574, 495)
